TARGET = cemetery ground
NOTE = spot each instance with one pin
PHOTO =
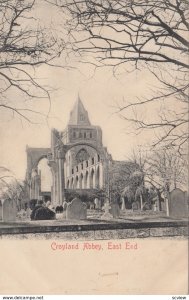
(75, 221)
(129, 224)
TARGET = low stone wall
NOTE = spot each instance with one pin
(99, 231)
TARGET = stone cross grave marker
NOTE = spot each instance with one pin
(106, 215)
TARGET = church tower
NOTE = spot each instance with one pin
(79, 115)
(79, 127)
(79, 163)
(83, 165)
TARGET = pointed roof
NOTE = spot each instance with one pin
(79, 115)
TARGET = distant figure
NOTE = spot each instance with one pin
(61, 209)
(57, 209)
(32, 203)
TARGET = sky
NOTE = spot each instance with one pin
(100, 92)
(99, 95)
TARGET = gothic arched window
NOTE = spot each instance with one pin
(82, 155)
(82, 117)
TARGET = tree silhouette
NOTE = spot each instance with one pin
(25, 45)
(148, 34)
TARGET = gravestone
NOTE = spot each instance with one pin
(28, 212)
(76, 210)
(163, 205)
(1, 211)
(155, 207)
(135, 206)
(177, 204)
(123, 208)
(106, 215)
(21, 214)
(98, 204)
(91, 205)
(65, 205)
(115, 210)
(9, 210)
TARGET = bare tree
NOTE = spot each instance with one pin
(150, 34)
(120, 175)
(11, 188)
(161, 171)
(24, 46)
(14, 191)
(5, 176)
(166, 170)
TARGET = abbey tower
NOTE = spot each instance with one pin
(77, 158)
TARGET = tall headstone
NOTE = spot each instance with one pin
(65, 205)
(28, 212)
(135, 205)
(178, 204)
(1, 211)
(123, 208)
(115, 210)
(9, 210)
(98, 203)
(76, 210)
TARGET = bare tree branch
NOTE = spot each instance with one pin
(149, 34)
(25, 45)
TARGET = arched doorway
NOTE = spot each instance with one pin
(46, 181)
